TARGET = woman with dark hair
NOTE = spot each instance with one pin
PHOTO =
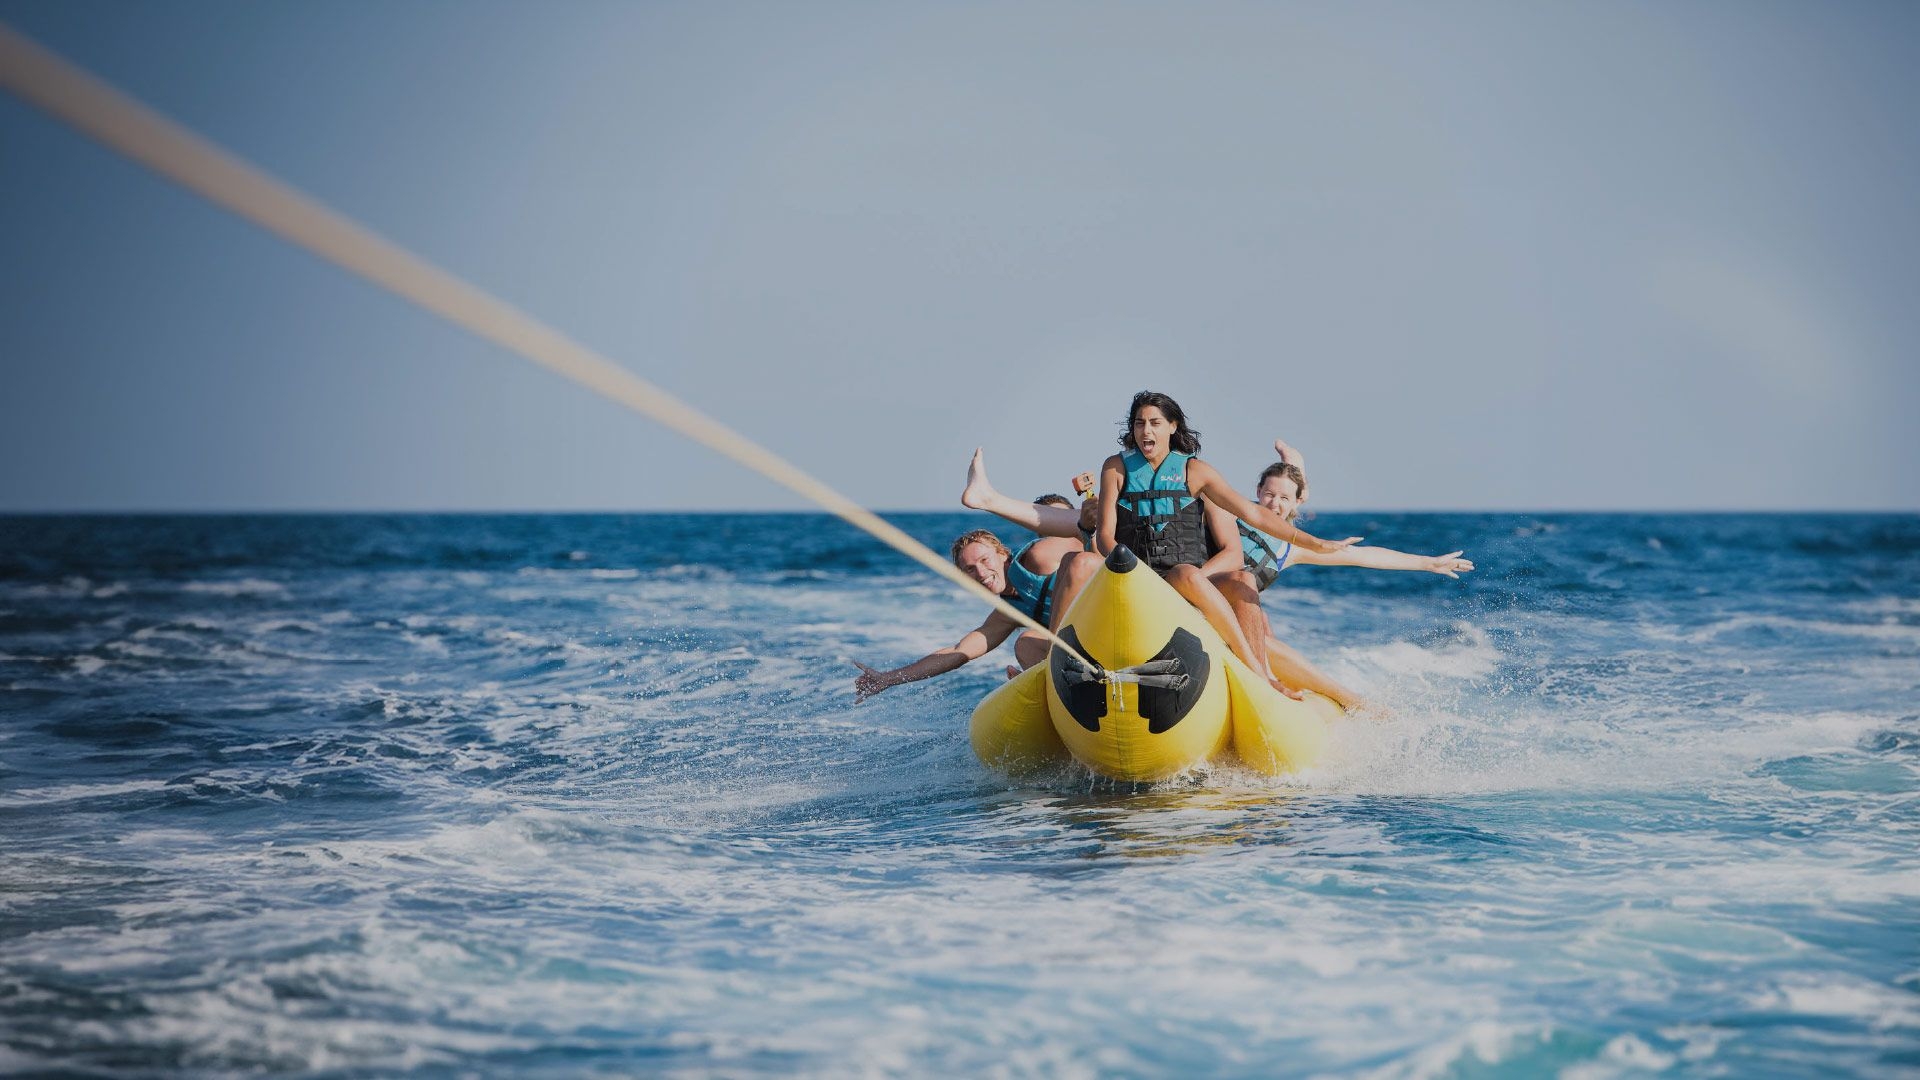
(1153, 498)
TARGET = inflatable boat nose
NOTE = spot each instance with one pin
(1122, 559)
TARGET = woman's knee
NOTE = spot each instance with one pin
(1184, 573)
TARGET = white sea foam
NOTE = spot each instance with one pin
(1439, 755)
(16, 1063)
(1483, 1043)
(137, 650)
(1623, 1055)
(1884, 607)
(236, 587)
(431, 644)
(286, 626)
(1471, 656)
(61, 793)
(1157, 944)
(1886, 629)
(1805, 994)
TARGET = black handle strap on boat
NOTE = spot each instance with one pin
(1167, 674)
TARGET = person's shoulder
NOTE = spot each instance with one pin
(1049, 549)
(1115, 461)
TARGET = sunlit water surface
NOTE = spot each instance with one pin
(590, 794)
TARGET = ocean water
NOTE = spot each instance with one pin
(590, 795)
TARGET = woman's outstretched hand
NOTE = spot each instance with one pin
(869, 683)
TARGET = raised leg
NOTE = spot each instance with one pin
(979, 494)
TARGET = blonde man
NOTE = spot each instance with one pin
(1028, 579)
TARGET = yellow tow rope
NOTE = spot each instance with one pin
(199, 165)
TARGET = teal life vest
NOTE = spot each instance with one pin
(1261, 560)
(1028, 591)
(1157, 518)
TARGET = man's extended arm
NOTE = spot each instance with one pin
(979, 642)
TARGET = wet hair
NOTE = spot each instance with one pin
(977, 536)
(1285, 471)
(1186, 439)
(1054, 500)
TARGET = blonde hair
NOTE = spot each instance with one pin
(1286, 471)
(977, 536)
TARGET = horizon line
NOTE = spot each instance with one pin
(797, 512)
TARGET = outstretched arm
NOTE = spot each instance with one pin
(1204, 480)
(979, 494)
(1379, 558)
(979, 642)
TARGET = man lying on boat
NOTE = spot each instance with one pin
(1029, 579)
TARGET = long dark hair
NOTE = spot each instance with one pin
(1186, 439)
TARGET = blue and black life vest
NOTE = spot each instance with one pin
(1157, 517)
(1262, 561)
(1028, 591)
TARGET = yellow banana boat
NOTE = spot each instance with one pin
(1164, 693)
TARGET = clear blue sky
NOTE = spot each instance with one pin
(1501, 256)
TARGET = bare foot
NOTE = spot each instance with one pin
(1288, 454)
(978, 492)
(1013, 672)
(1368, 709)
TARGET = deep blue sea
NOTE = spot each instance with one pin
(590, 795)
